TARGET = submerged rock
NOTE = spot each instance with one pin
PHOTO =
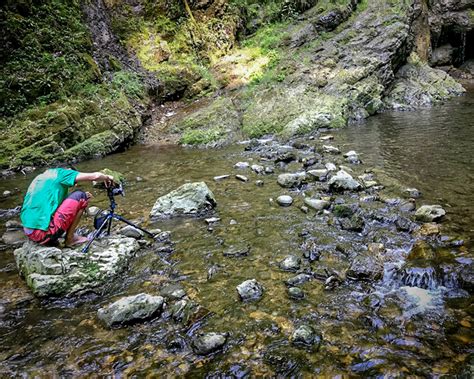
(189, 199)
(237, 251)
(208, 342)
(50, 271)
(299, 279)
(290, 263)
(295, 293)
(250, 290)
(130, 309)
(430, 213)
(343, 181)
(305, 336)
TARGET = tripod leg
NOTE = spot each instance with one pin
(120, 218)
(108, 220)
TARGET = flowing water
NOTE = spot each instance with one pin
(415, 321)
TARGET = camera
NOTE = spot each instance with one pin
(116, 189)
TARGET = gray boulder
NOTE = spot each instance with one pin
(429, 213)
(131, 308)
(50, 271)
(343, 181)
(250, 290)
(189, 199)
(291, 180)
(132, 232)
(14, 238)
(208, 342)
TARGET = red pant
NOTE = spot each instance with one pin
(62, 219)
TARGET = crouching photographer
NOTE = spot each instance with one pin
(48, 210)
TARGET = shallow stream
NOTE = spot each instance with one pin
(400, 325)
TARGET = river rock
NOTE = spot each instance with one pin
(242, 165)
(131, 308)
(404, 224)
(355, 223)
(352, 157)
(330, 166)
(50, 271)
(331, 149)
(242, 178)
(411, 193)
(290, 263)
(430, 213)
(14, 238)
(319, 174)
(250, 290)
(284, 200)
(8, 213)
(258, 168)
(220, 177)
(317, 204)
(92, 211)
(291, 180)
(269, 170)
(259, 183)
(132, 232)
(304, 335)
(327, 137)
(428, 229)
(343, 181)
(189, 199)
(407, 205)
(366, 267)
(237, 251)
(208, 342)
(295, 293)
(298, 279)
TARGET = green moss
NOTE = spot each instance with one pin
(46, 53)
(201, 137)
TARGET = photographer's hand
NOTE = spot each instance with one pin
(108, 180)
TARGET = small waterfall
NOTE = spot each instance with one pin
(421, 277)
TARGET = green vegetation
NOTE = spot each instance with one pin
(45, 53)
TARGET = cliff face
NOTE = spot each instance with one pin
(78, 79)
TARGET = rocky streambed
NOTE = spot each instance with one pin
(305, 260)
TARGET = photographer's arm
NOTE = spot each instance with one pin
(95, 176)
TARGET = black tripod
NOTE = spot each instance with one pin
(105, 222)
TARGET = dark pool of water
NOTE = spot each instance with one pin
(367, 329)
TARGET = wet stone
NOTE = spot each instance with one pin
(269, 170)
(291, 180)
(250, 290)
(318, 174)
(354, 224)
(430, 213)
(284, 200)
(221, 177)
(92, 211)
(242, 165)
(331, 149)
(330, 166)
(257, 168)
(242, 178)
(411, 193)
(404, 224)
(366, 267)
(304, 335)
(407, 205)
(295, 293)
(290, 263)
(209, 342)
(343, 181)
(352, 157)
(237, 251)
(259, 183)
(131, 309)
(299, 279)
(130, 231)
(428, 229)
(317, 204)
(14, 238)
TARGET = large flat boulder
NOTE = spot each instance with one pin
(50, 271)
(131, 309)
(189, 199)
